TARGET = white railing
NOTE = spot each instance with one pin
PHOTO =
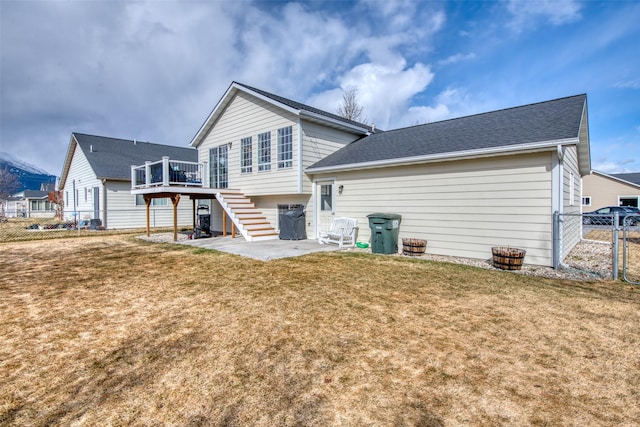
(168, 172)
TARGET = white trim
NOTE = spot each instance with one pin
(314, 197)
(604, 175)
(635, 196)
(457, 155)
(300, 157)
(234, 87)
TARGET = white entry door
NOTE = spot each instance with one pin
(325, 203)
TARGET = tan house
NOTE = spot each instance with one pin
(601, 189)
(464, 184)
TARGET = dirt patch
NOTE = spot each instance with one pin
(118, 331)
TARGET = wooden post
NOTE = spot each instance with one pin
(233, 230)
(224, 223)
(147, 202)
(193, 212)
(175, 199)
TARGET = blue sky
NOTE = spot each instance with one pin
(153, 70)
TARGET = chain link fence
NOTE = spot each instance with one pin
(88, 223)
(609, 246)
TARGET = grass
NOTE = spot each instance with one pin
(115, 331)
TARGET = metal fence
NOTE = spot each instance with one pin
(609, 245)
(85, 223)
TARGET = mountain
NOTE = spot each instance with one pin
(29, 176)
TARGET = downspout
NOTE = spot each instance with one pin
(104, 203)
(300, 158)
(557, 208)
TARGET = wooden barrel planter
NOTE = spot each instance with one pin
(508, 258)
(413, 247)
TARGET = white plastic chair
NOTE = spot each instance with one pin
(341, 232)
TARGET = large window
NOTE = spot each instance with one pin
(246, 155)
(264, 151)
(160, 201)
(218, 162)
(285, 147)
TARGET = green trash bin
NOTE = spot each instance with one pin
(384, 232)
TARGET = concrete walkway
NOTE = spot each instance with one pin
(264, 250)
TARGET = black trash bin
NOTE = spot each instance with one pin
(203, 226)
(384, 232)
(293, 225)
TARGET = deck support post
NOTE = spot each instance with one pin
(224, 223)
(175, 199)
(147, 202)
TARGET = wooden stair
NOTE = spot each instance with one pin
(249, 221)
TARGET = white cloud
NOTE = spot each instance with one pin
(384, 91)
(628, 84)
(459, 57)
(527, 14)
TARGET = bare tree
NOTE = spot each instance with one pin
(350, 107)
(9, 183)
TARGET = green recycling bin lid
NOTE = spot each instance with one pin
(384, 215)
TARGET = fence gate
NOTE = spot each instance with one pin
(631, 251)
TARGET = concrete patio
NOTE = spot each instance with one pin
(261, 250)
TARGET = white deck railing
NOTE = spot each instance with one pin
(168, 172)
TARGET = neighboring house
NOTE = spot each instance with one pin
(29, 204)
(96, 182)
(464, 184)
(601, 189)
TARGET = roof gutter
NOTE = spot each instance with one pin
(458, 155)
(335, 122)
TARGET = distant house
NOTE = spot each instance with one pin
(96, 182)
(464, 184)
(601, 189)
(29, 204)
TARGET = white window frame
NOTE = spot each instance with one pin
(158, 201)
(264, 152)
(285, 147)
(246, 155)
(629, 197)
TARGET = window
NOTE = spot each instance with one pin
(586, 201)
(218, 161)
(326, 197)
(164, 201)
(285, 147)
(85, 194)
(246, 155)
(264, 151)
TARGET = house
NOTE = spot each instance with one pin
(464, 184)
(29, 204)
(601, 189)
(96, 182)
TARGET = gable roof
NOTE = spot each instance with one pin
(633, 178)
(111, 158)
(30, 194)
(294, 107)
(543, 125)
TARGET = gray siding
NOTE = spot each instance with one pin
(571, 201)
(82, 177)
(247, 116)
(462, 208)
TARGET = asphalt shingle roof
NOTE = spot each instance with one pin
(299, 106)
(111, 158)
(545, 121)
(629, 177)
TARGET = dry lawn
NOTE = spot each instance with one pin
(116, 331)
